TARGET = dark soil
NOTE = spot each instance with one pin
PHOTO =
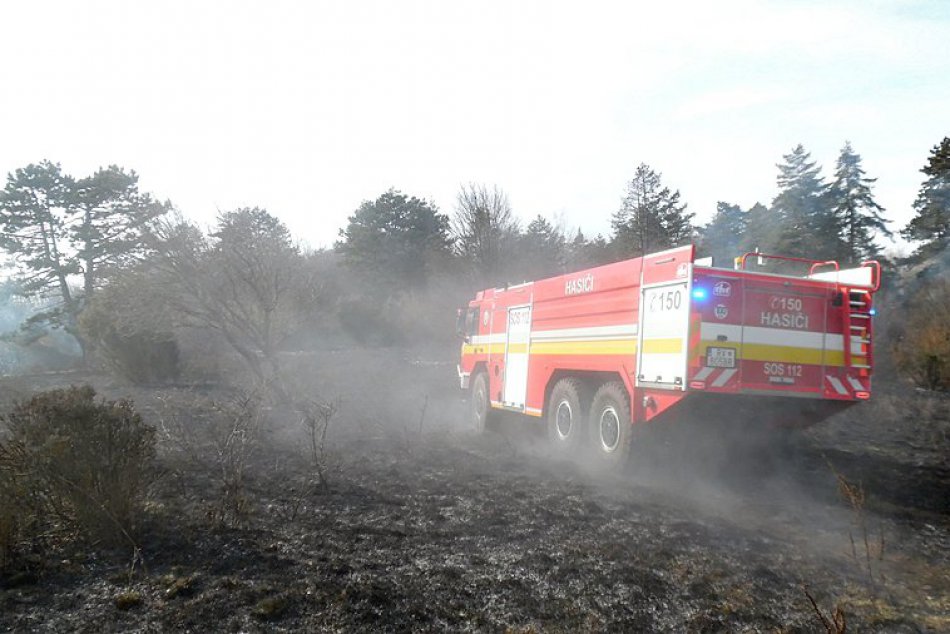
(426, 527)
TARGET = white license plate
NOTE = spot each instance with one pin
(720, 357)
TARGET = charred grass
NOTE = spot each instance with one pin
(415, 524)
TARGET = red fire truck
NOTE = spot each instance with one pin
(598, 352)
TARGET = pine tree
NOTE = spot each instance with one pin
(809, 227)
(57, 227)
(762, 227)
(721, 237)
(583, 253)
(931, 225)
(36, 208)
(858, 214)
(396, 240)
(544, 251)
(651, 217)
(113, 219)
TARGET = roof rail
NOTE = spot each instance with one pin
(787, 258)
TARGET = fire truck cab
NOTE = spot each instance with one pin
(597, 352)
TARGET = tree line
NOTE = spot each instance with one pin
(397, 239)
(118, 269)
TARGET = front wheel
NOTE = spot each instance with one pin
(609, 425)
(480, 413)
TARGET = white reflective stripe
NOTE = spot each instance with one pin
(710, 331)
(855, 383)
(703, 373)
(835, 383)
(792, 338)
(480, 340)
(625, 331)
(776, 337)
(723, 378)
(533, 410)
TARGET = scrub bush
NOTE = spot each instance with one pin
(922, 349)
(70, 464)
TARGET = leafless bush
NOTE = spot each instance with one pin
(316, 417)
(71, 464)
(871, 554)
(242, 282)
(221, 434)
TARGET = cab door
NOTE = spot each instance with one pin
(516, 356)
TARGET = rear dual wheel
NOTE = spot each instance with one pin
(567, 410)
(609, 425)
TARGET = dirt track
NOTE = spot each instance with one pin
(446, 531)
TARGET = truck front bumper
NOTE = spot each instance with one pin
(463, 377)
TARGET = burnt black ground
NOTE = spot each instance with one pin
(443, 530)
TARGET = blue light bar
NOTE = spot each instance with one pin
(699, 293)
(872, 312)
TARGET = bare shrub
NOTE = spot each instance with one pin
(316, 417)
(221, 434)
(243, 282)
(870, 554)
(72, 462)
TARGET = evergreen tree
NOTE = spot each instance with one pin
(396, 240)
(858, 214)
(931, 225)
(721, 237)
(651, 217)
(113, 219)
(809, 227)
(56, 227)
(37, 205)
(762, 227)
(543, 250)
(583, 253)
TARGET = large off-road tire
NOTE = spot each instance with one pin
(479, 407)
(609, 426)
(567, 415)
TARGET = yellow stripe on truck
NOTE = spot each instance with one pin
(746, 351)
(663, 346)
(484, 348)
(784, 354)
(615, 346)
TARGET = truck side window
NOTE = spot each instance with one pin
(471, 322)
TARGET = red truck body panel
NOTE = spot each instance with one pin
(670, 328)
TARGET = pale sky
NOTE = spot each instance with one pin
(309, 108)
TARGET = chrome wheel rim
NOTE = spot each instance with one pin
(563, 420)
(609, 429)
